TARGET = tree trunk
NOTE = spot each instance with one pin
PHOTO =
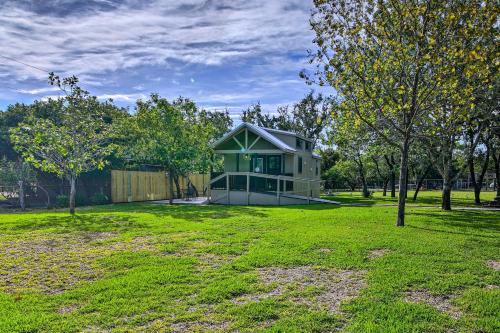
(497, 172)
(406, 181)
(446, 195)
(72, 195)
(402, 183)
(391, 163)
(193, 188)
(22, 202)
(171, 187)
(361, 171)
(386, 181)
(177, 187)
(420, 183)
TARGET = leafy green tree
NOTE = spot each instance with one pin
(344, 173)
(421, 165)
(353, 143)
(254, 115)
(175, 135)
(309, 117)
(74, 140)
(391, 62)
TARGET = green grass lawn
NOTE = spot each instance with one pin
(318, 268)
(424, 198)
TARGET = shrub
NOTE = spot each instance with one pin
(81, 200)
(99, 199)
(62, 201)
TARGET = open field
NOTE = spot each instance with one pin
(318, 268)
(424, 198)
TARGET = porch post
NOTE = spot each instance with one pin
(248, 188)
(278, 191)
(227, 188)
(308, 191)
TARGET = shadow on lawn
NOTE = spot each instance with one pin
(196, 213)
(83, 222)
(462, 222)
(355, 200)
(314, 206)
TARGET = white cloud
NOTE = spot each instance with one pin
(122, 97)
(37, 91)
(189, 31)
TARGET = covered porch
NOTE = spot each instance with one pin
(250, 188)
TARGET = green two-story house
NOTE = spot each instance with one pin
(265, 166)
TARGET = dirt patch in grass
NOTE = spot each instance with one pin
(377, 253)
(494, 264)
(191, 326)
(318, 288)
(441, 303)
(52, 263)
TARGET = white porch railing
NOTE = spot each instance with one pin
(300, 186)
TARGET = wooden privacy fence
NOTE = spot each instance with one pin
(129, 186)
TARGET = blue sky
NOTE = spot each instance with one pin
(221, 53)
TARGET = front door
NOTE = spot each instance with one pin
(258, 165)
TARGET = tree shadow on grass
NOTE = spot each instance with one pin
(196, 213)
(85, 222)
(461, 222)
(352, 200)
(312, 206)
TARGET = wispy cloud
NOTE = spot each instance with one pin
(122, 97)
(153, 32)
(228, 53)
(37, 91)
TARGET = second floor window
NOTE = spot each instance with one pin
(300, 165)
(298, 143)
(308, 145)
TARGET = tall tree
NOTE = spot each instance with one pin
(175, 135)
(312, 114)
(74, 140)
(309, 117)
(391, 60)
(353, 144)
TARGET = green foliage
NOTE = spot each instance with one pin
(175, 135)
(62, 201)
(407, 69)
(12, 172)
(309, 117)
(99, 199)
(75, 137)
(75, 140)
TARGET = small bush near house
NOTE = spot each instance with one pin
(62, 201)
(99, 199)
(81, 200)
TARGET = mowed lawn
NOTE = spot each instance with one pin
(317, 268)
(424, 198)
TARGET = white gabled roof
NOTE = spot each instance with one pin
(259, 131)
(273, 130)
(264, 133)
